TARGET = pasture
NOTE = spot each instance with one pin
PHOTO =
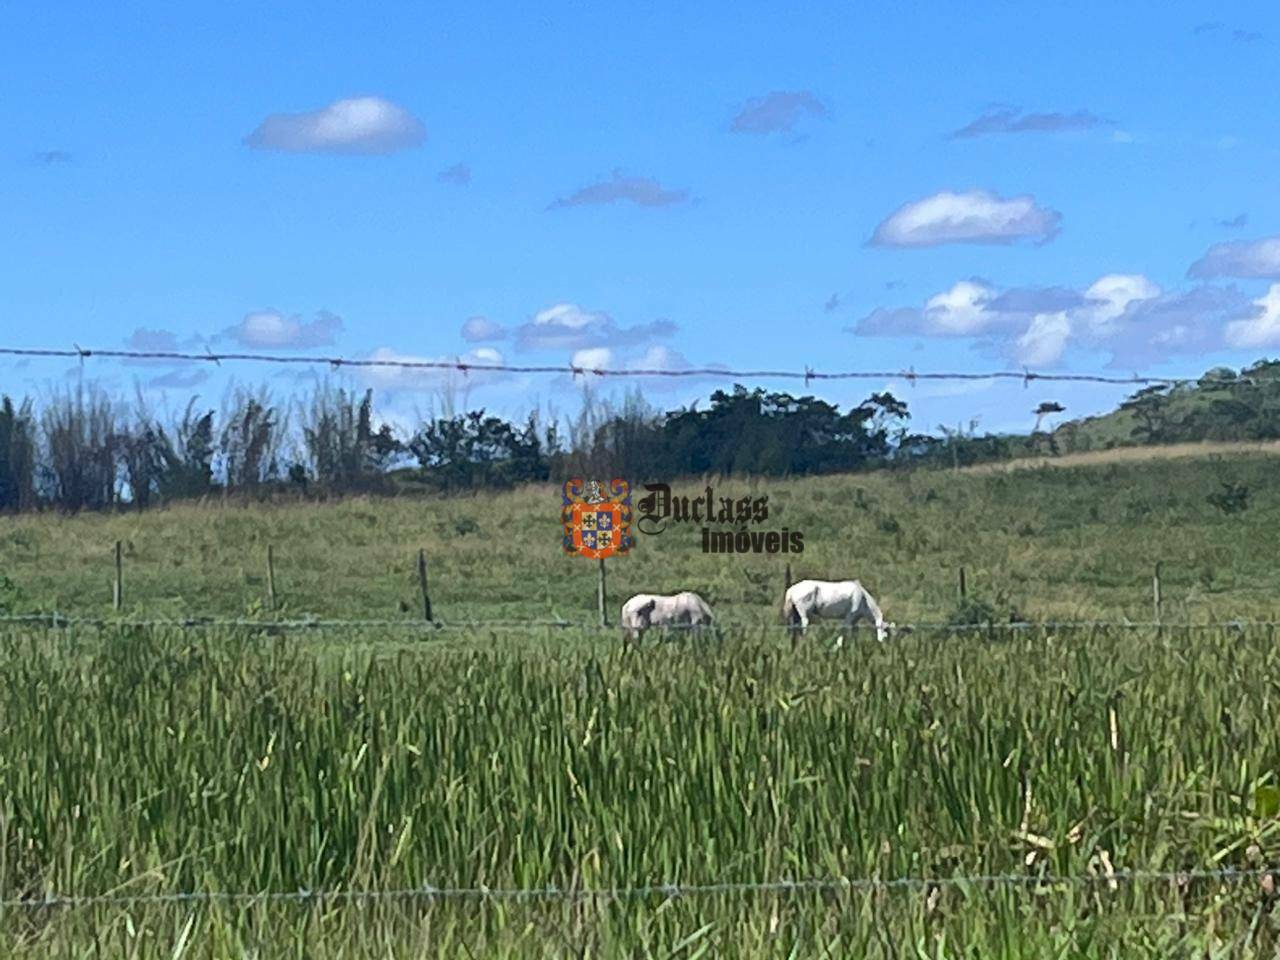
(1053, 544)
(141, 762)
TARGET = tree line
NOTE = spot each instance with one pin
(83, 449)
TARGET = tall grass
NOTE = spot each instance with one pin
(18, 440)
(344, 451)
(253, 435)
(153, 762)
(83, 444)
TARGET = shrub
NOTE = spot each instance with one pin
(971, 611)
(1232, 498)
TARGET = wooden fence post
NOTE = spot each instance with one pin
(787, 579)
(271, 577)
(422, 584)
(117, 591)
(600, 596)
(963, 592)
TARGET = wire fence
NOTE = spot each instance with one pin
(667, 891)
(59, 620)
(808, 374)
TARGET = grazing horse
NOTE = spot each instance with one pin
(645, 610)
(844, 600)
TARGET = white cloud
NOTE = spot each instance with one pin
(1262, 329)
(432, 378)
(568, 315)
(592, 358)
(1247, 259)
(1126, 314)
(648, 368)
(962, 310)
(1108, 297)
(1045, 340)
(968, 308)
(976, 216)
(567, 326)
(659, 357)
(270, 329)
(476, 329)
(358, 125)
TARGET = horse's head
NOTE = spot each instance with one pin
(886, 629)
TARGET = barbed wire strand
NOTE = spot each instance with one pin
(665, 890)
(60, 620)
(807, 375)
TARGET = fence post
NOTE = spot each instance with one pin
(963, 592)
(787, 579)
(422, 584)
(271, 577)
(117, 591)
(600, 596)
(1155, 593)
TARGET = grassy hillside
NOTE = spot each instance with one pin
(1050, 543)
(1222, 405)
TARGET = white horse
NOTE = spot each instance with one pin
(844, 600)
(645, 610)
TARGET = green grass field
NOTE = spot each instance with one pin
(150, 761)
(1074, 544)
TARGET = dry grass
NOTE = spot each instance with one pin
(1098, 458)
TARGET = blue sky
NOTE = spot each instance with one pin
(938, 186)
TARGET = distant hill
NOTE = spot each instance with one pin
(1135, 454)
(1223, 405)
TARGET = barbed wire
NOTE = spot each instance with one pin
(807, 375)
(59, 620)
(667, 891)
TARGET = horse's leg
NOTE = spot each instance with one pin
(804, 628)
(860, 613)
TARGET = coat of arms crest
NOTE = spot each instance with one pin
(597, 521)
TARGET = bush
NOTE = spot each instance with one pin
(10, 595)
(1232, 498)
(971, 611)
